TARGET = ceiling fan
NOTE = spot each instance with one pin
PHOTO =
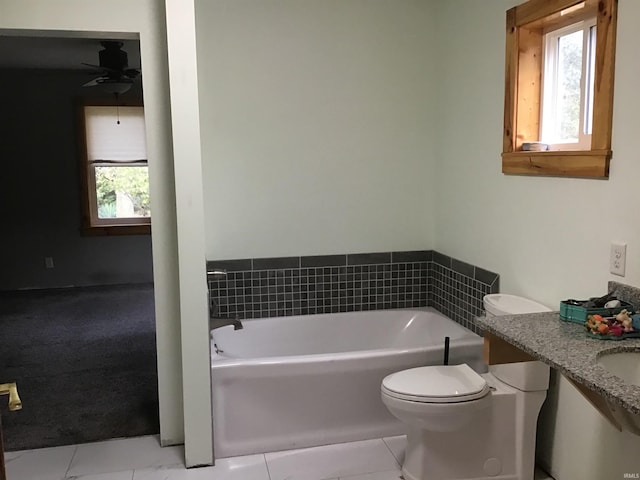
(116, 76)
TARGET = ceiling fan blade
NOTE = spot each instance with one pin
(119, 80)
(131, 72)
(102, 68)
(93, 83)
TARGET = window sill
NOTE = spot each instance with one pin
(116, 230)
(584, 163)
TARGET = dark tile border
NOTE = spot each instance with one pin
(462, 267)
(229, 265)
(314, 261)
(442, 259)
(323, 261)
(412, 256)
(485, 276)
(368, 258)
(276, 263)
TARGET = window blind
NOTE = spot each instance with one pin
(112, 142)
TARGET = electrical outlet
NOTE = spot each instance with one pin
(48, 262)
(618, 258)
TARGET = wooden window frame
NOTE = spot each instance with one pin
(87, 181)
(523, 81)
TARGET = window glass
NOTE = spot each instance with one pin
(591, 73)
(567, 110)
(568, 85)
(122, 191)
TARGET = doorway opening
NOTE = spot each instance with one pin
(76, 305)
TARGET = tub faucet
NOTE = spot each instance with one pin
(216, 322)
(14, 399)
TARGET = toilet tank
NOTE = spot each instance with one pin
(525, 376)
(498, 304)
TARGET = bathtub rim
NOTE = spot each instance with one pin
(219, 361)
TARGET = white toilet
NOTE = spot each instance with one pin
(462, 425)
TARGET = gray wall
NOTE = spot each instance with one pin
(40, 193)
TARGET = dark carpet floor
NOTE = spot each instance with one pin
(85, 363)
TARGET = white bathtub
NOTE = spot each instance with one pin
(292, 382)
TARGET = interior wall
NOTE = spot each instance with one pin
(146, 18)
(317, 121)
(40, 191)
(548, 238)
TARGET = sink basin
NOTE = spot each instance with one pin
(625, 365)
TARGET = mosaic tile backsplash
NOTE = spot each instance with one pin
(457, 288)
(269, 287)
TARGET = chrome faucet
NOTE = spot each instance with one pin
(216, 322)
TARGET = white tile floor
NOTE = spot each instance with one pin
(142, 458)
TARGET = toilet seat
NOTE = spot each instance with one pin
(436, 384)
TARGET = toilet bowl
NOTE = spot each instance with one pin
(438, 398)
(463, 425)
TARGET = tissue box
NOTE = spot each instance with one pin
(579, 314)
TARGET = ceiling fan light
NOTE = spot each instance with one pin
(110, 87)
(115, 88)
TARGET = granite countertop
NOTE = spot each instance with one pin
(566, 347)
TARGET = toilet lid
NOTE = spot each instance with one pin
(436, 384)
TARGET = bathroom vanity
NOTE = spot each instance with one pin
(584, 361)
